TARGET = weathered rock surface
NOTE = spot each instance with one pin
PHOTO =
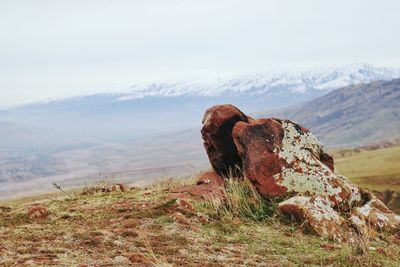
(209, 185)
(376, 215)
(317, 215)
(38, 212)
(218, 123)
(283, 159)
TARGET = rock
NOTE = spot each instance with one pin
(117, 187)
(317, 214)
(208, 186)
(283, 159)
(256, 143)
(280, 157)
(184, 206)
(210, 178)
(218, 122)
(118, 243)
(38, 211)
(120, 260)
(137, 258)
(104, 189)
(375, 214)
(203, 218)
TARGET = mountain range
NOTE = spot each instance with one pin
(168, 107)
(153, 131)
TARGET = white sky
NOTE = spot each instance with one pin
(51, 48)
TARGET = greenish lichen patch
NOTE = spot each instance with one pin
(318, 213)
(307, 174)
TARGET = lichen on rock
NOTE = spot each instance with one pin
(318, 215)
(282, 159)
(377, 215)
(301, 151)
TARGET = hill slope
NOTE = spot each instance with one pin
(351, 116)
(140, 228)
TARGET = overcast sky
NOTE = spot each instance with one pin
(51, 48)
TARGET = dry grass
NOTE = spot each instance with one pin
(242, 201)
(138, 228)
(377, 170)
(374, 169)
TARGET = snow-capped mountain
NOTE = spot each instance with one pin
(261, 83)
(168, 107)
(87, 135)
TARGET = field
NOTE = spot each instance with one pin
(140, 227)
(374, 169)
(377, 170)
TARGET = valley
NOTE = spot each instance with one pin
(122, 138)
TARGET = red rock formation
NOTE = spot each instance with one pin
(282, 158)
(209, 185)
(256, 143)
(218, 122)
(38, 212)
(210, 178)
(376, 215)
(316, 214)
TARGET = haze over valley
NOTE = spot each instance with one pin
(153, 131)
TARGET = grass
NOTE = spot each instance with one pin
(374, 169)
(139, 228)
(243, 201)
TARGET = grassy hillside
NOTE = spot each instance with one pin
(377, 170)
(139, 227)
(373, 169)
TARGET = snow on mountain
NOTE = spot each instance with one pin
(34, 135)
(314, 82)
(261, 83)
(169, 107)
